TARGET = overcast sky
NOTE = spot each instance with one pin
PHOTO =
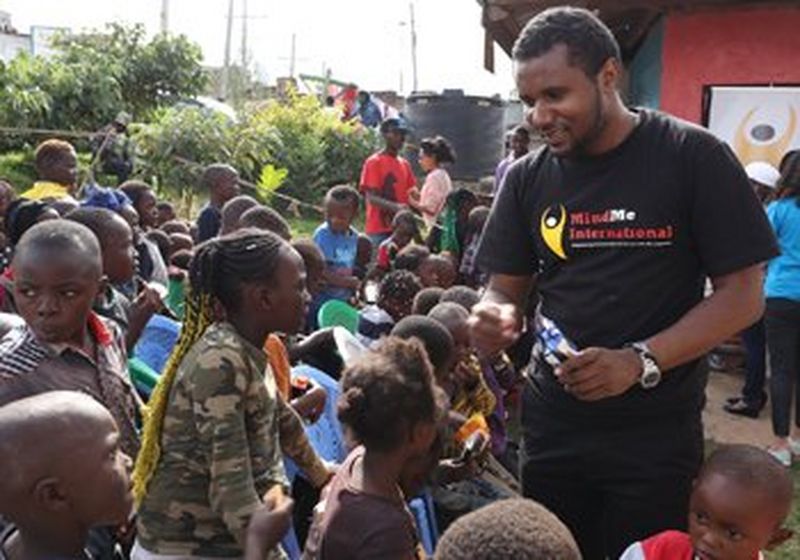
(363, 41)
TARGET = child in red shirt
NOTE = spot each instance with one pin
(739, 504)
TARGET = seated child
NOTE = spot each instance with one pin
(119, 267)
(363, 256)
(391, 406)
(468, 390)
(58, 267)
(213, 441)
(426, 299)
(54, 493)
(468, 269)
(180, 242)
(501, 377)
(411, 258)
(395, 296)
(176, 226)
(740, 500)
(56, 166)
(161, 240)
(21, 216)
(438, 270)
(404, 231)
(441, 352)
(166, 213)
(311, 404)
(338, 241)
(464, 296)
(232, 212)
(511, 529)
(266, 219)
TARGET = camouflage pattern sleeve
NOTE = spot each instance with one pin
(295, 444)
(222, 381)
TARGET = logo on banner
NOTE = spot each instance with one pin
(758, 140)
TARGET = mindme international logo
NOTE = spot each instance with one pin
(551, 227)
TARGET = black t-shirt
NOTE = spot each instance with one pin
(622, 244)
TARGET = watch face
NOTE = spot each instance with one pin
(650, 379)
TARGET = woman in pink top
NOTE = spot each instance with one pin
(433, 153)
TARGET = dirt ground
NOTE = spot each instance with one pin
(722, 427)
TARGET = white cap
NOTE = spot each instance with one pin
(762, 173)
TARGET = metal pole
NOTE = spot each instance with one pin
(164, 16)
(244, 34)
(413, 47)
(226, 64)
(294, 55)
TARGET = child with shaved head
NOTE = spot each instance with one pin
(739, 503)
(508, 530)
(58, 275)
(53, 490)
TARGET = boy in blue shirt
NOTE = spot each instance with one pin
(338, 241)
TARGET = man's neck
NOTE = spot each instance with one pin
(391, 152)
(620, 125)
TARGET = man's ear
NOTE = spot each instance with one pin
(49, 496)
(609, 75)
(780, 536)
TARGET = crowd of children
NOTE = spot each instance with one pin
(83, 275)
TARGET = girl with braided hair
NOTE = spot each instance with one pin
(216, 425)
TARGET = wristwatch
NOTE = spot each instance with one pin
(651, 373)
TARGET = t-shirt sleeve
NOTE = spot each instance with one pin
(370, 175)
(506, 246)
(729, 226)
(220, 383)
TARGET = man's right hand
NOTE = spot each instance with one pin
(493, 327)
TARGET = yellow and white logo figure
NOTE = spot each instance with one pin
(552, 230)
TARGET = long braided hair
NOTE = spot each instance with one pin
(218, 269)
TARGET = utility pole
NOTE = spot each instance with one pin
(244, 34)
(413, 47)
(293, 56)
(227, 63)
(164, 16)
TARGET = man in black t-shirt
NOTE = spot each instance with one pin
(617, 222)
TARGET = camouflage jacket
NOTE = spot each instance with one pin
(224, 430)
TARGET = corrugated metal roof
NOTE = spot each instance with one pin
(629, 20)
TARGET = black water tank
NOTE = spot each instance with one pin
(473, 125)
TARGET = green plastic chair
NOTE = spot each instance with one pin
(335, 313)
(142, 375)
(176, 297)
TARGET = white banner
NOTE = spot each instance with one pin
(759, 123)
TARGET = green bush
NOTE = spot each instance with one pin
(312, 145)
(93, 77)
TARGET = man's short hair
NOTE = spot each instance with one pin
(589, 42)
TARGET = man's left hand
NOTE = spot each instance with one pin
(599, 373)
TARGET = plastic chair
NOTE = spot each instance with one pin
(157, 341)
(335, 313)
(143, 376)
(425, 528)
(325, 434)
